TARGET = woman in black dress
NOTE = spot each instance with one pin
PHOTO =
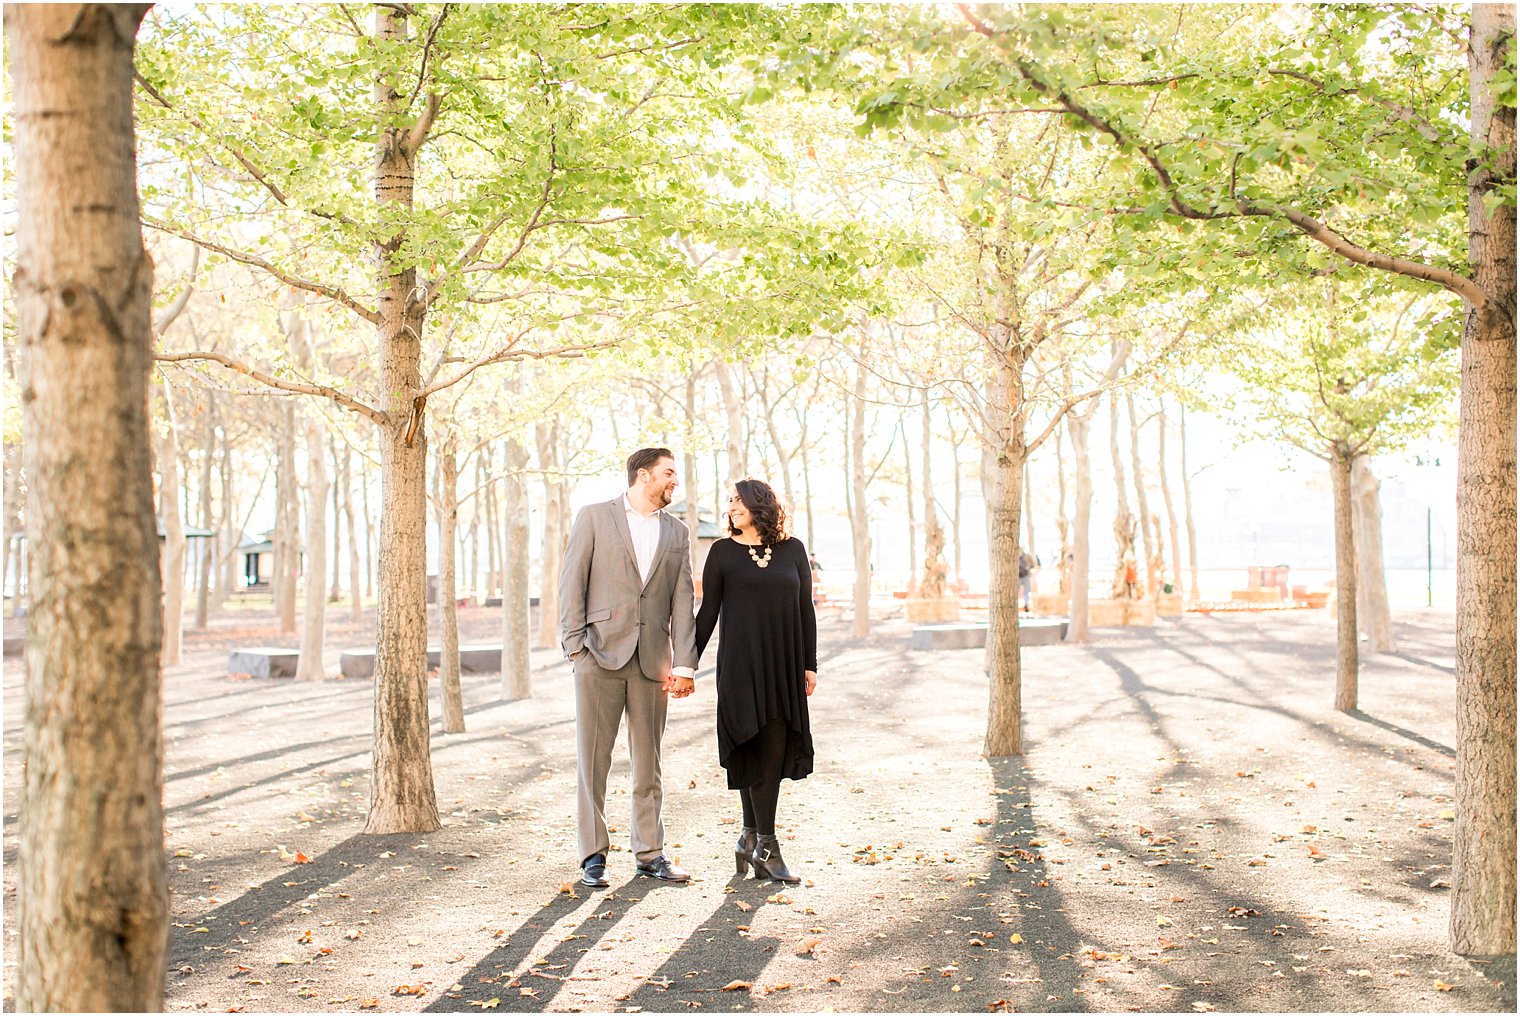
(760, 584)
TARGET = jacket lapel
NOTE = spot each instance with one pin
(659, 550)
(620, 520)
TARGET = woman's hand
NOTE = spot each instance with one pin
(812, 680)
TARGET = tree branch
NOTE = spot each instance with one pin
(242, 257)
(248, 165)
(508, 352)
(175, 309)
(346, 401)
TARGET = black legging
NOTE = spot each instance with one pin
(759, 799)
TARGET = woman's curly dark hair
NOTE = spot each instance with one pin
(765, 509)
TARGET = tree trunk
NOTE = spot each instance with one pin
(231, 534)
(860, 519)
(1166, 497)
(1124, 522)
(1063, 523)
(1371, 586)
(902, 426)
(516, 668)
(369, 531)
(955, 514)
(1483, 862)
(689, 467)
(447, 505)
(807, 492)
(174, 533)
(1001, 482)
(554, 536)
(1078, 428)
(314, 615)
(402, 798)
(335, 593)
(11, 515)
(92, 883)
(287, 527)
(356, 602)
(204, 555)
(734, 408)
(1187, 507)
(933, 585)
(1142, 503)
(1346, 664)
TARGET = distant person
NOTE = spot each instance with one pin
(758, 583)
(625, 613)
(816, 570)
(1028, 565)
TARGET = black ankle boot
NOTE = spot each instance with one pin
(743, 849)
(768, 862)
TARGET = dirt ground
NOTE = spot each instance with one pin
(1193, 829)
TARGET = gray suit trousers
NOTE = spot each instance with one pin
(601, 699)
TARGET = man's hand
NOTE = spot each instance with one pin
(679, 687)
(812, 680)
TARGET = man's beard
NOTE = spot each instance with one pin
(662, 496)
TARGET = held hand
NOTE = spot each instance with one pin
(812, 680)
(679, 687)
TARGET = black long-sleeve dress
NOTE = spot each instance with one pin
(769, 638)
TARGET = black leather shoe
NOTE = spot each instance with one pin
(662, 869)
(594, 871)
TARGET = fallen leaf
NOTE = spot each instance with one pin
(1443, 986)
(743, 906)
(369, 1003)
(284, 961)
(305, 937)
(1015, 938)
(409, 989)
(806, 947)
(737, 986)
(1359, 973)
(354, 934)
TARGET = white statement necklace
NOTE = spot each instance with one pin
(763, 560)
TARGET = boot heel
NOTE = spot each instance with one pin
(743, 849)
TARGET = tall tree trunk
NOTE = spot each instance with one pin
(369, 530)
(335, 592)
(287, 526)
(1078, 428)
(446, 501)
(402, 798)
(1166, 497)
(902, 426)
(231, 534)
(547, 436)
(174, 532)
(933, 585)
(1187, 506)
(1142, 503)
(1063, 523)
(1346, 663)
(1371, 585)
(860, 518)
(1002, 481)
(955, 513)
(12, 516)
(689, 466)
(1124, 522)
(734, 409)
(314, 615)
(807, 491)
(1483, 862)
(92, 884)
(516, 668)
(204, 556)
(355, 599)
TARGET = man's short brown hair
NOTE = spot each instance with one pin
(645, 458)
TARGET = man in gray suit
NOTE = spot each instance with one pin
(625, 596)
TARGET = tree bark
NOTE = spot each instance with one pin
(335, 592)
(1346, 662)
(231, 534)
(516, 668)
(287, 526)
(547, 436)
(369, 531)
(204, 555)
(860, 519)
(92, 883)
(446, 502)
(314, 615)
(1371, 586)
(1002, 481)
(1063, 523)
(734, 409)
(402, 798)
(1124, 522)
(355, 599)
(1166, 497)
(173, 543)
(933, 585)
(1078, 428)
(1483, 861)
(1142, 503)
(1187, 506)
(902, 426)
(689, 467)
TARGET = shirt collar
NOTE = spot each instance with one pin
(631, 510)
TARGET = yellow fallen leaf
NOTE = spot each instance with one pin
(1015, 938)
(284, 961)
(1443, 986)
(737, 986)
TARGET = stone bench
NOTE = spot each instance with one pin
(481, 659)
(264, 661)
(14, 644)
(973, 635)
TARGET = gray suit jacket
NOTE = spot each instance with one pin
(605, 608)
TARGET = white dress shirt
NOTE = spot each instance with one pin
(645, 530)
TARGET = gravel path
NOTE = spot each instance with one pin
(1193, 829)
